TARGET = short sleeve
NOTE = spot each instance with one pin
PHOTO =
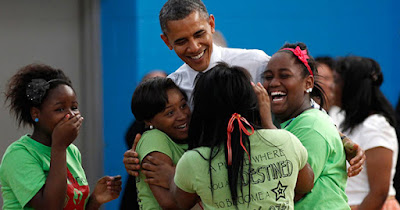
(316, 147)
(301, 151)
(23, 174)
(76, 152)
(183, 174)
(153, 141)
(377, 132)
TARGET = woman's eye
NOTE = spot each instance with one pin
(183, 106)
(268, 77)
(170, 113)
(60, 110)
(285, 76)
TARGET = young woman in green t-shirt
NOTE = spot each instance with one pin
(43, 170)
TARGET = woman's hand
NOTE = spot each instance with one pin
(66, 131)
(158, 172)
(264, 105)
(354, 155)
(131, 160)
(107, 189)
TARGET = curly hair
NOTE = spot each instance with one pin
(16, 90)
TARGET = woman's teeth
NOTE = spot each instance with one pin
(182, 126)
(277, 96)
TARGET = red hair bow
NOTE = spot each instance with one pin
(302, 55)
(230, 127)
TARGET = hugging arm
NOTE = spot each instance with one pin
(163, 195)
(131, 160)
(355, 155)
(305, 182)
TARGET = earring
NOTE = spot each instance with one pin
(36, 119)
(309, 90)
(151, 127)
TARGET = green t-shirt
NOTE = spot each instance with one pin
(24, 169)
(327, 158)
(155, 141)
(276, 158)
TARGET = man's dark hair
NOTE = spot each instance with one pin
(180, 9)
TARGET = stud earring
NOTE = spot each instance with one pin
(309, 90)
(36, 119)
(151, 127)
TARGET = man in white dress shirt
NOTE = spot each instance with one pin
(188, 30)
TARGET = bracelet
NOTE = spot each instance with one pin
(343, 137)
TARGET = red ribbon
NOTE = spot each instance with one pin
(302, 55)
(230, 128)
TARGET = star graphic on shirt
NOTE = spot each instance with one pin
(279, 191)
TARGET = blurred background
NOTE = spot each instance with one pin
(107, 46)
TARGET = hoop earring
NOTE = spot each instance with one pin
(151, 126)
(36, 119)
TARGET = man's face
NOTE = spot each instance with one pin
(191, 39)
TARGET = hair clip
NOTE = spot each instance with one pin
(302, 56)
(36, 89)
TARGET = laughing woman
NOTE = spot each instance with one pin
(289, 80)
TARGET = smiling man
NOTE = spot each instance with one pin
(187, 29)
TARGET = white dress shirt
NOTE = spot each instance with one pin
(255, 61)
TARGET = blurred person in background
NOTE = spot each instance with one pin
(367, 117)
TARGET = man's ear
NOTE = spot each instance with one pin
(211, 20)
(166, 41)
(35, 113)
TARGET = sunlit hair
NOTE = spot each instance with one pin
(180, 9)
(317, 90)
(150, 97)
(219, 93)
(361, 94)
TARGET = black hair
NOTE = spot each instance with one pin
(361, 95)
(150, 97)
(327, 60)
(317, 90)
(219, 93)
(180, 9)
(20, 103)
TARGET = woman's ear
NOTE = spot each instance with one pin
(147, 123)
(309, 82)
(35, 113)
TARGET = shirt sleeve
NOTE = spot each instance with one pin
(377, 132)
(23, 174)
(300, 150)
(153, 141)
(184, 173)
(316, 146)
